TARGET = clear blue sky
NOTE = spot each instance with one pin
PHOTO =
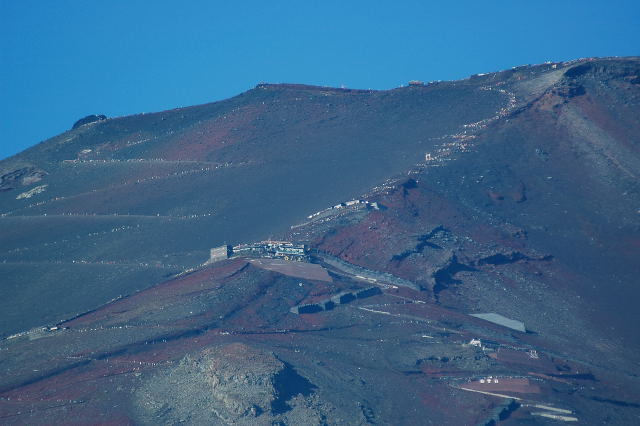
(62, 60)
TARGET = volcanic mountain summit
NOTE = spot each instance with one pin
(459, 252)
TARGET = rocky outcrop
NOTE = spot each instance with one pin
(430, 358)
(235, 384)
(88, 120)
(21, 176)
(502, 412)
(504, 258)
(422, 243)
(442, 276)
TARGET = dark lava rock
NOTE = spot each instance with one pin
(88, 119)
(20, 177)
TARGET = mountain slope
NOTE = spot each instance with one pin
(173, 184)
(513, 193)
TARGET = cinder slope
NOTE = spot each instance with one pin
(126, 201)
(513, 193)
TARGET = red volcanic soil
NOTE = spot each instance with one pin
(503, 385)
(597, 109)
(457, 407)
(427, 310)
(411, 210)
(523, 358)
(223, 131)
(188, 285)
(527, 207)
(322, 292)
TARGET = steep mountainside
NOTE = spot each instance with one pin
(172, 184)
(513, 193)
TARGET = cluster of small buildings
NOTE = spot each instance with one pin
(348, 204)
(265, 249)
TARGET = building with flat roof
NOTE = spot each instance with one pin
(219, 253)
(503, 321)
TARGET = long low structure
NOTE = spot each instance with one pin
(273, 249)
(266, 249)
(338, 299)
